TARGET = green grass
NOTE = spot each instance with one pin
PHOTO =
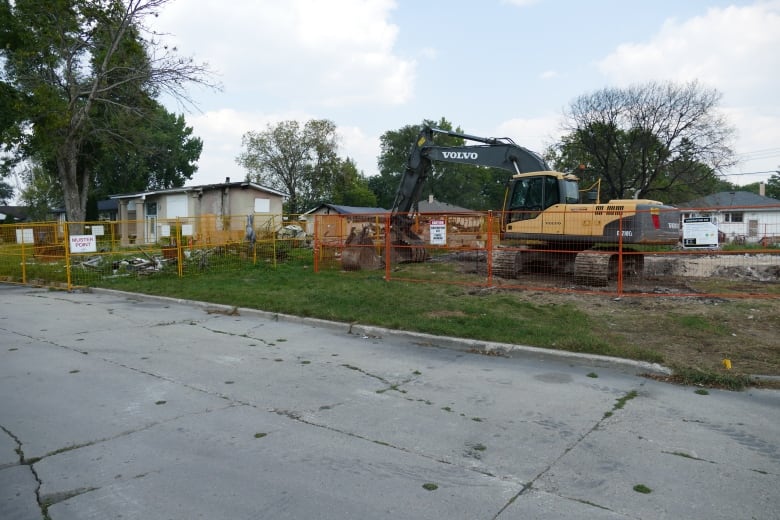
(695, 377)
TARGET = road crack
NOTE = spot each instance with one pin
(619, 405)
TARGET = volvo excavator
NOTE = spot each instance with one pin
(543, 217)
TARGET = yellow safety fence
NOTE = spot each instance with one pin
(72, 255)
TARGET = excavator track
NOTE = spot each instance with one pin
(592, 268)
(596, 267)
(506, 263)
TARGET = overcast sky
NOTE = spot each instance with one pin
(493, 67)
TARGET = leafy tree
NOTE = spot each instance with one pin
(161, 153)
(653, 140)
(299, 160)
(6, 192)
(350, 187)
(41, 192)
(74, 64)
(773, 186)
(463, 185)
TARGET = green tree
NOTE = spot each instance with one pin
(350, 187)
(41, 192)
(299, 160)
(6, 192)
(773, 186)
(161, 153)
(74, 63)
(653, 140)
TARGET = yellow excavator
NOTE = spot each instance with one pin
(543, 218)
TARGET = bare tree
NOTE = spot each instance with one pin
(647, 138)
(69, 58)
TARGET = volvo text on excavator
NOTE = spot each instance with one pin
(542, 217)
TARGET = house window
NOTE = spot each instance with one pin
(736, 216)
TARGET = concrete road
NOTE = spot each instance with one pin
(114, 406)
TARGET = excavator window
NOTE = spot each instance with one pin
(532, 195)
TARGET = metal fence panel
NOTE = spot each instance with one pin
(467, 249)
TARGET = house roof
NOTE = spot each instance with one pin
(10, 214)
(731, 200)
(436, 206)
(202, 187)
(108, 205)
(348, 210)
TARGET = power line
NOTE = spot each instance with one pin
(751, 173)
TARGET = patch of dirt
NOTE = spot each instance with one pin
(663, 312)
(688, 331)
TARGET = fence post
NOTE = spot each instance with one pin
(179, 249)
(273, 237)
(20, 232)
(66, 244)
(316, 244)
(489, 249)
(620, 257)
(388, 245)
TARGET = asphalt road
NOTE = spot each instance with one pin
(114, 406)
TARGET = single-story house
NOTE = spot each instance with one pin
(336, 222)
(206, 213)
(740, 216)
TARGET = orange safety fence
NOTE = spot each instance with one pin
(471, 249)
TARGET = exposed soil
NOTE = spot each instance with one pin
(663, 311)
(690, 331)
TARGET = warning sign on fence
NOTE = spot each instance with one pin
(83, 244)
(438, 233)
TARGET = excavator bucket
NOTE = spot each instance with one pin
(359, 253)
(407, 247)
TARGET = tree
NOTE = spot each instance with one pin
(300, 161)
(76, 62)
(160, 153)
(6, 192)
(350, 187)
(773, 186)
(469, 186)
(41, 192)
(651, 140)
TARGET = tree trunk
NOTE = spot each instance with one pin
(75, 186)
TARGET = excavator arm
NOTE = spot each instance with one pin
(493, 152)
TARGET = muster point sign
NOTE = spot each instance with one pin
(83, 244)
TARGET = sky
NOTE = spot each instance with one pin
(495, 68)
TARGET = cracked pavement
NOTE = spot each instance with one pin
(117, 406)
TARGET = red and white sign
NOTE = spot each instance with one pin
(438, 230)
(83, 244)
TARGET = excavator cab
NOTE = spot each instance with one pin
(532, 193)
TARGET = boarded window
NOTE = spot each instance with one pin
(176, 206)
(262, 205)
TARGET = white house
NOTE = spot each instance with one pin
(741, 216)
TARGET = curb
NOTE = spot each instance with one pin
(488, 348)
